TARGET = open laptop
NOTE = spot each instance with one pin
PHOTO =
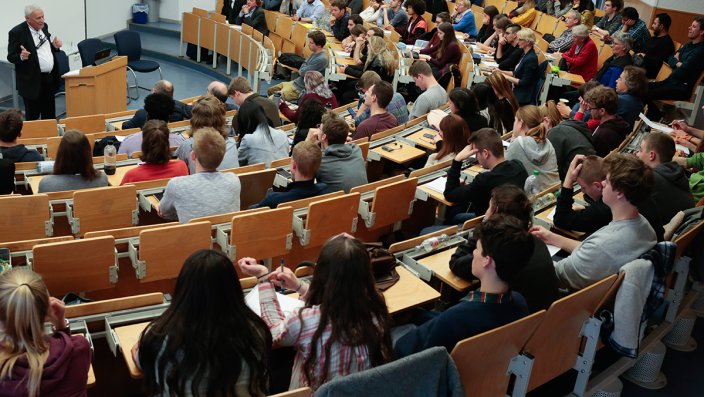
(102, 56)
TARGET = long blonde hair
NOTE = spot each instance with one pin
(24, 301)
(533, 118)
(378, 49)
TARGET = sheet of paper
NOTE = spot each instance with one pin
(654, 125)
(489, 64)
(287, 304)
(72, 73)
(682, 148)
(552, 249)
(551, 214)
(120, 138)
(438, 185)
(341, 53)
(505, 144)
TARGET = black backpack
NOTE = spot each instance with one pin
(7, 176)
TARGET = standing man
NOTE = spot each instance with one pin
(31, 48)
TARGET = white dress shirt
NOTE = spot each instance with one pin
(44, 54)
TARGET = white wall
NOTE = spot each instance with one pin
(172, 9)
(107, 17)
(680, 5)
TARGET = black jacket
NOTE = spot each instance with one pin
(671, 190)
(536, 281)
(570, 138)
(181, 112)
(256, 20)
(230, 10)
(609, 135)
(28, 72)
(340, 27)
(527, 71)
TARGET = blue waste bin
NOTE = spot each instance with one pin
(140, 13)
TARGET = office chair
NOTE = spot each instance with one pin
(87, 48)
(63, 63)
(129, 44)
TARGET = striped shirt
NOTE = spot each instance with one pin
(297, 330)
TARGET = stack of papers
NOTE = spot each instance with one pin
(438, 185)
(287, 304)
(341, 53)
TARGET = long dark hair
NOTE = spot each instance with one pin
(155, 142)
(256, 118)
(207, 336)
(455, 135)
(448, 37)
(74, 156)
(310, 114)
(344, 287)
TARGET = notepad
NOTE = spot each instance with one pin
(654, 125)
(489, 64)
(438, 185)
(552, 249)
(287, 304)
(341, 53)
(551, 214)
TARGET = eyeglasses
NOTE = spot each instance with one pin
(595, 108)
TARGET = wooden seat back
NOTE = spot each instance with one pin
(330, 217)
(299, 36)
(368, 187)
(303, 203)
(683, 240)
(280, 163)
(39, 129)
(200, 12)
(605, 52)
(482, 360)
(556, 343)
(664, 72)
(220, 18)
(413, 242)
(76, 265)
(126, 232)
(471, 223)
(547, 24)
(27, 245)
(104, 208)
(247, 29)
(245, 169)
(560, 28)
(85, 124)
(164, 250)
(52, 147)
(254, 186)
(284, 27)
(221, 219)
(114, 305)
(427, 170)
(302, 392)
(393, 203)
(263, 234)
(24, 217)
(271, 18)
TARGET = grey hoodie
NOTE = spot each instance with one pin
(570, 138)
(535, 156)
(671, 190)
(342, 167)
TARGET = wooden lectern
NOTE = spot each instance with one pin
(97, 89)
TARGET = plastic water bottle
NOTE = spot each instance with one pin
(432, 243)
(110, 155)
(531, 186)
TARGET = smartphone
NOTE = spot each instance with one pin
(286, 174)
(429, 135)
(5, 261)
(387, 149)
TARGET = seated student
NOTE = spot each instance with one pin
(343, 327)
(537, 281)
(433, 96)
(252, 14)
(207, 192)
(318, 61)
(349, 43)
(393, 16)
(377, 98)
(379, 59)
(463, 102)
(464, 18)
(688, 134)
(33, 361)
(219, 90)
(633, 26)
(588, 172)
(179, 112)
(260, 143)
(175, 355)
(508, 54)
(156, 156)
(631, 87)
(499, 23)
(563, 42)
(659, 47)
(10, 130)
(687, 65)
(612, 67)
(612, 130)
(526, 73)
(209, 112)
(503, 249)
(671, 189)
(305, 161)
(530, 146)
(316, 89)
(241, 92)
(432, 36)
(158, 107)
(487, 29)
(501, 102)
(585, 10)
(339, 20)
(309, 11)
(446, 53)
(628, 182)
(417, 25)
(73, 167)
(452, 137)
(342, 165)
(486, 146)
(524, 14)
(611, 21)
(372, 13)
(311, 113)
(397, 106)
(581, 57)
(570, 138)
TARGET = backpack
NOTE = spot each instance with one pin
(7, 176)
(291, 60)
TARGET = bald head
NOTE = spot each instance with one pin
(219, 90)
(163, 87)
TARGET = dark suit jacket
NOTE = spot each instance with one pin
(256, 20)
(231, 12)
(181, 111)
(527, 71)
(27, 72)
